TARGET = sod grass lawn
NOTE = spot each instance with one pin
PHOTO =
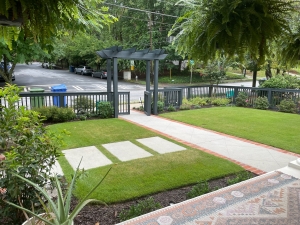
(272, 128)
(140, 177)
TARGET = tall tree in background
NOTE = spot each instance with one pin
(143, 23)
(236, 27)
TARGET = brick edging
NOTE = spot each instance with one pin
(228, 135)
(245, 166)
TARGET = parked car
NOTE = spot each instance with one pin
(102, 74)
(8, 68)
(83, 70)
(48, 65)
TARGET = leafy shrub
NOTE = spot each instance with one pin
(220, 101)
(186, 102)
(160, 106)
(143, 207)
(287, 106)
(30, 150)
(199, 101)
(56, 114)
(279, 81)
(261, 103)
(199, 189)
(171, 108)
(185, 107)
(83, 104)
(241, 99)
(197, 107)
(105, 109)
(245, 175)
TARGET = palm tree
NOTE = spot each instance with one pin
(233, 26)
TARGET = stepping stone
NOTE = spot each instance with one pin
(160, 145)
(126, 150)
(91, 157)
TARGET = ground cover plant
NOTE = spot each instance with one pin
(272, 128)
(136, 178)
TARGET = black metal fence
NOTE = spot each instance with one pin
(76, 100)
(169, 97)
(275, 96)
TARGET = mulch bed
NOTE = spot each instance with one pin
(108, 215)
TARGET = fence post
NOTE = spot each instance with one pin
(128, 100)
(180, 97)
(270, 97)
(189, 93)
(61, 102)
(235, 94)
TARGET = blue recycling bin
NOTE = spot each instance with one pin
(59, 88)
(72, 69)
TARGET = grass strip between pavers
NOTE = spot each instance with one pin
(277, 129)
(141, 177)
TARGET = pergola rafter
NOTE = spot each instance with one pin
(116, 52)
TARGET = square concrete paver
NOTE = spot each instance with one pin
(160, 145)
(91, 157)
(126, 150)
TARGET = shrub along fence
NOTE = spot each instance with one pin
(81, 102)
(274, 96)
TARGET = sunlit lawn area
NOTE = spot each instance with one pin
(135, 178)
(276, 129)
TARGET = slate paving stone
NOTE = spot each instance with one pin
(160, 145)
(126, 150)
(91, 157)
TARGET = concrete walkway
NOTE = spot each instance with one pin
(254, 157)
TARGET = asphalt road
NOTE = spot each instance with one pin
(34, 76)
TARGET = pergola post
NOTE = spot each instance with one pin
(155, 91)
(116, 93)
(109, 75)
(148, 75)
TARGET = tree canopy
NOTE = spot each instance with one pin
(234, 26)
(44, 19)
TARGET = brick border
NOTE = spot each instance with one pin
(245, 166)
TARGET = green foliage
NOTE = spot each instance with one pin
(231, 76)
(199, 101)
(245, 175)
(199, 189)
(61, 208)
(56, 114)
(261, 103)
(83, 104)
(287, 106)
(241, 99)
(220, 101)
(104, 109)
(185, 107)
(279, 81)
(171, 108)
(30, 150)
(215, 70)
(160, 106)
(41, 25)
(208, 27)
(143, 207)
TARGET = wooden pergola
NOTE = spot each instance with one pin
(114, 53)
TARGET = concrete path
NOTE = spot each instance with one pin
(252, 156)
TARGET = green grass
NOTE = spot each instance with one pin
(141, 177)
(276, 129)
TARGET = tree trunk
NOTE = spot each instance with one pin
(254, 75)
